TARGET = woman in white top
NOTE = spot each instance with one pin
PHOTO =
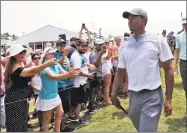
(36, 84)
(107, 72)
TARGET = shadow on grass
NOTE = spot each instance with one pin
(119, 115)
(176, 124)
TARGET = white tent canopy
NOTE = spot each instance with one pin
(45, 34)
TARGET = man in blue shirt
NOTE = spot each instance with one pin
(180, 53)
(64, 85)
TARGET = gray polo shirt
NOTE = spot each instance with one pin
(140, 57)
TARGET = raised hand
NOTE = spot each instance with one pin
(51, 62)
(66, 51)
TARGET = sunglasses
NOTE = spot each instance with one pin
(106, 42)
(23, 52)
(37, 58)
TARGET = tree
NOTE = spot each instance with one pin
(8, 36)
(14, 37)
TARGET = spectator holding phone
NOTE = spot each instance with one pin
(49, 99)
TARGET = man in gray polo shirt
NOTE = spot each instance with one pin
(143, 51)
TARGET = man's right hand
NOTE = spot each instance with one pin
(115, 101)
(74, 72)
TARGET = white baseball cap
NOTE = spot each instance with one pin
(14, 49)
(99, 41)
(184, 20)
(49, 50)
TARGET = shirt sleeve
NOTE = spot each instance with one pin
(46, 70)
(121, 63)
(60, 68)
(90, 59)
(178, 42)
(164, 51)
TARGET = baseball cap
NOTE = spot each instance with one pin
(136, 12)
(99, 41)
(82, 42)
(49, 50)
(61, 42)
(184, 20)
(74, 39)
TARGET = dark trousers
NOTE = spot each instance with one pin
(183, 71)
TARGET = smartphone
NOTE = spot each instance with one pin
(62, 36)
(83, 25)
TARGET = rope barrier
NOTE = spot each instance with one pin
(68, 88)
(58, 91)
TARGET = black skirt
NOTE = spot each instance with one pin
(17, 109)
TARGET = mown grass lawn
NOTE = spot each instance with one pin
(110, 119)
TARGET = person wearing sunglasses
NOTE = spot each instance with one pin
(78, 93)
(48, 99)
(36, 84)
(18, 91)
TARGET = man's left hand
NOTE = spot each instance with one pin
(167, 108)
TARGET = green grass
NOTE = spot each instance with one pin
(111, 119)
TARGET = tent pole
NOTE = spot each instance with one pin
(42, 46)
(34, 46)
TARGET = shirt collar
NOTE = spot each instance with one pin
(142, 35)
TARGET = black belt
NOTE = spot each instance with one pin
(146, 90)
(2, 95)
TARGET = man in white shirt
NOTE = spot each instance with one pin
(140, 58)
(78, 93)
